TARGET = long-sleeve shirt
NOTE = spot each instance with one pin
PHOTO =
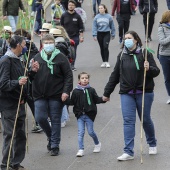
(103, 23)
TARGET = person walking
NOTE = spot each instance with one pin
(129, 72)
(124, 10)
(164, 49)
(151, 7)
(103, 30)
(73, 24)
(84, 99)
(51, 90)
(96, 2)
(11, 80)
(11, 10)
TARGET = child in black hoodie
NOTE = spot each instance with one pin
(84, 98)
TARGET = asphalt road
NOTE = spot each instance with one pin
(108, 124)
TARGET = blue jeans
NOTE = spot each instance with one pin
(165, 62)
(82, 121)
(13, 20)
(65, 115)
(94, 5)
(129, 104)
(43, 107)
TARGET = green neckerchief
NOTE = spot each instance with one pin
(49, 62)
(88, 97)
(136, 62)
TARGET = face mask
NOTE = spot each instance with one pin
(129, 43)
(6, 35)
(49, 48)
(24, 50)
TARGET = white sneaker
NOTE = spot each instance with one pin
(125, 157)
(97, 148)
(168, 101)
(32, 14)
(80, 153)
(107, 65)
(63, 124)
(103, 64)
(152, 150)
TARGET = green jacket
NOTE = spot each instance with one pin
(11, 7)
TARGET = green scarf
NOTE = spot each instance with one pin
(88, 97)
(49, 62)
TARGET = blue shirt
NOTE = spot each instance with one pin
(103, 23)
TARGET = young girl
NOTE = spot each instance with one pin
(103, 30)
(84, 98)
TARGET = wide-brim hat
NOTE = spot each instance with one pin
(46, 27)
(55, 31)
(7, 28)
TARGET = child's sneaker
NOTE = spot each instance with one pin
(97, 148)
(80, 153)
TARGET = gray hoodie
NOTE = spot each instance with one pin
(164, 39)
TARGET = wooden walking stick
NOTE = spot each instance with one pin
(143, 95)
(18, 107)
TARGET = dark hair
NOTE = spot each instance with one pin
(16, 39)
(104, 6)
(79, 75)
(23, 32)
(135, 36)
(72, 1)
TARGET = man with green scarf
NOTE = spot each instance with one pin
(52, 84)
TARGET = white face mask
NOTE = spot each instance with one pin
(49, 48)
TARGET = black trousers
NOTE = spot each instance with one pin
(104, 40)
(19, 142)
(123, 22)
(150, 24)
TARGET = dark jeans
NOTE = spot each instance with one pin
(54, 107)
(150, 24)
(19, 142)
(94, 5)
(76, 40)
(104, 40)
(165, 62)
(123, 22)
(33, 5)
(130, 104)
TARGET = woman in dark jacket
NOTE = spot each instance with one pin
(129, 72)
(151, 7)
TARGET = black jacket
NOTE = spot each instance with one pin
(10, 70)
(72, 23)
(80, 102)
(11, 7)
(47, 85)
(126, 73)
(146, 6)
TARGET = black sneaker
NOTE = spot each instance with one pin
(120, 40)
(49, 146)
(54, 151)
(36, 129)
(73, 68)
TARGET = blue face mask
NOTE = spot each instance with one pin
(24, 50)
(129, 43)
(49, 48)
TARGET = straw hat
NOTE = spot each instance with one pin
(55, 31)
(8, 28)
(46, 27)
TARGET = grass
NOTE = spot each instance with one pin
(26, 18)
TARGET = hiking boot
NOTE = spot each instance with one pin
(125, 157)
(36, 129)
(152, 150)
(55, 151)
(97, 148)
(80, 153)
